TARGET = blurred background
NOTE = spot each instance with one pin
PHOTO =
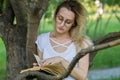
(103, 18)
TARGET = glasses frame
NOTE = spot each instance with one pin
(66, 22)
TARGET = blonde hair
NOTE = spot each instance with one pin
(78, 30)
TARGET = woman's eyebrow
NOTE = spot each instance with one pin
(63, 17)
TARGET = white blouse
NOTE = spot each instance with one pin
(43, 43)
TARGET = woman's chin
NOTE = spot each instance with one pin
(60, 31)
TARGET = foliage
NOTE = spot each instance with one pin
(108, 2)
(111, 2)
(2, 6)
(50, 9)
(104, 26)
(2, 60)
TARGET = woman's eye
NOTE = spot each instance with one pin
(60, 18)
(68, 22)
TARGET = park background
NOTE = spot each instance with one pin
(97, 27)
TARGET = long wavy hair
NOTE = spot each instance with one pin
(78, 30)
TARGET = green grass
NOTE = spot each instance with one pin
(104, 26)
(2, 60)
(107, 58)
(112, 78)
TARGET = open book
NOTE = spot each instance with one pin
(37, 59)
(54, 69)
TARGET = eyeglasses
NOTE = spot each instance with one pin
(60, 20)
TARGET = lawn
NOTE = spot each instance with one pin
(109, 57)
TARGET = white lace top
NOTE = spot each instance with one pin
(43, 43)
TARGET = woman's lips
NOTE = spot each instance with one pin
(60, 28)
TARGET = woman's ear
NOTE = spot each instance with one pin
(74, 24)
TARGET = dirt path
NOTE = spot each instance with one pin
(104, 74)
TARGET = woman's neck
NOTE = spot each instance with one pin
(59, 36)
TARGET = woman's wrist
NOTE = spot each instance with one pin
(61, 59)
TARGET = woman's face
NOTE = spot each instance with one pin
(64, 20)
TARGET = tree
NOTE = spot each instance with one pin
(19, 36)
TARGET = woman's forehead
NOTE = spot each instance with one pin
(66, 13)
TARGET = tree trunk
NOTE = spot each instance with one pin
(19, 37)
(15, 48)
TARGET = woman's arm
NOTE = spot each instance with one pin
(82, 70)
(79, 72)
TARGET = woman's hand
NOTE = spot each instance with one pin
(35, 65)
(52, 60)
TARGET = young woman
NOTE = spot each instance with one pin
(67, 39)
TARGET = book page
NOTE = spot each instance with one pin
(37, 59)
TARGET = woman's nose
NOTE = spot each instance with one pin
(62, 24)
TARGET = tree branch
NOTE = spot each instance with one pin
(110, 37)
(82, 53)
(34, 16)
(19, 8)
(86, 51)
(35, 7)
(33, 74)
(1, 28)
(6, 19)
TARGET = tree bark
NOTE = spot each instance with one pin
(6, 19)
(15, 40)
(1, 6)
(34, 74)
(16, 36)
(35, 13)
(110, 37)
(20, 11)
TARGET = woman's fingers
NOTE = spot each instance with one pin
(35, 64)
(52, 60)
(46, 62)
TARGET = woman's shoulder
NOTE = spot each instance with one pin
(42, 41)
(43, 35)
